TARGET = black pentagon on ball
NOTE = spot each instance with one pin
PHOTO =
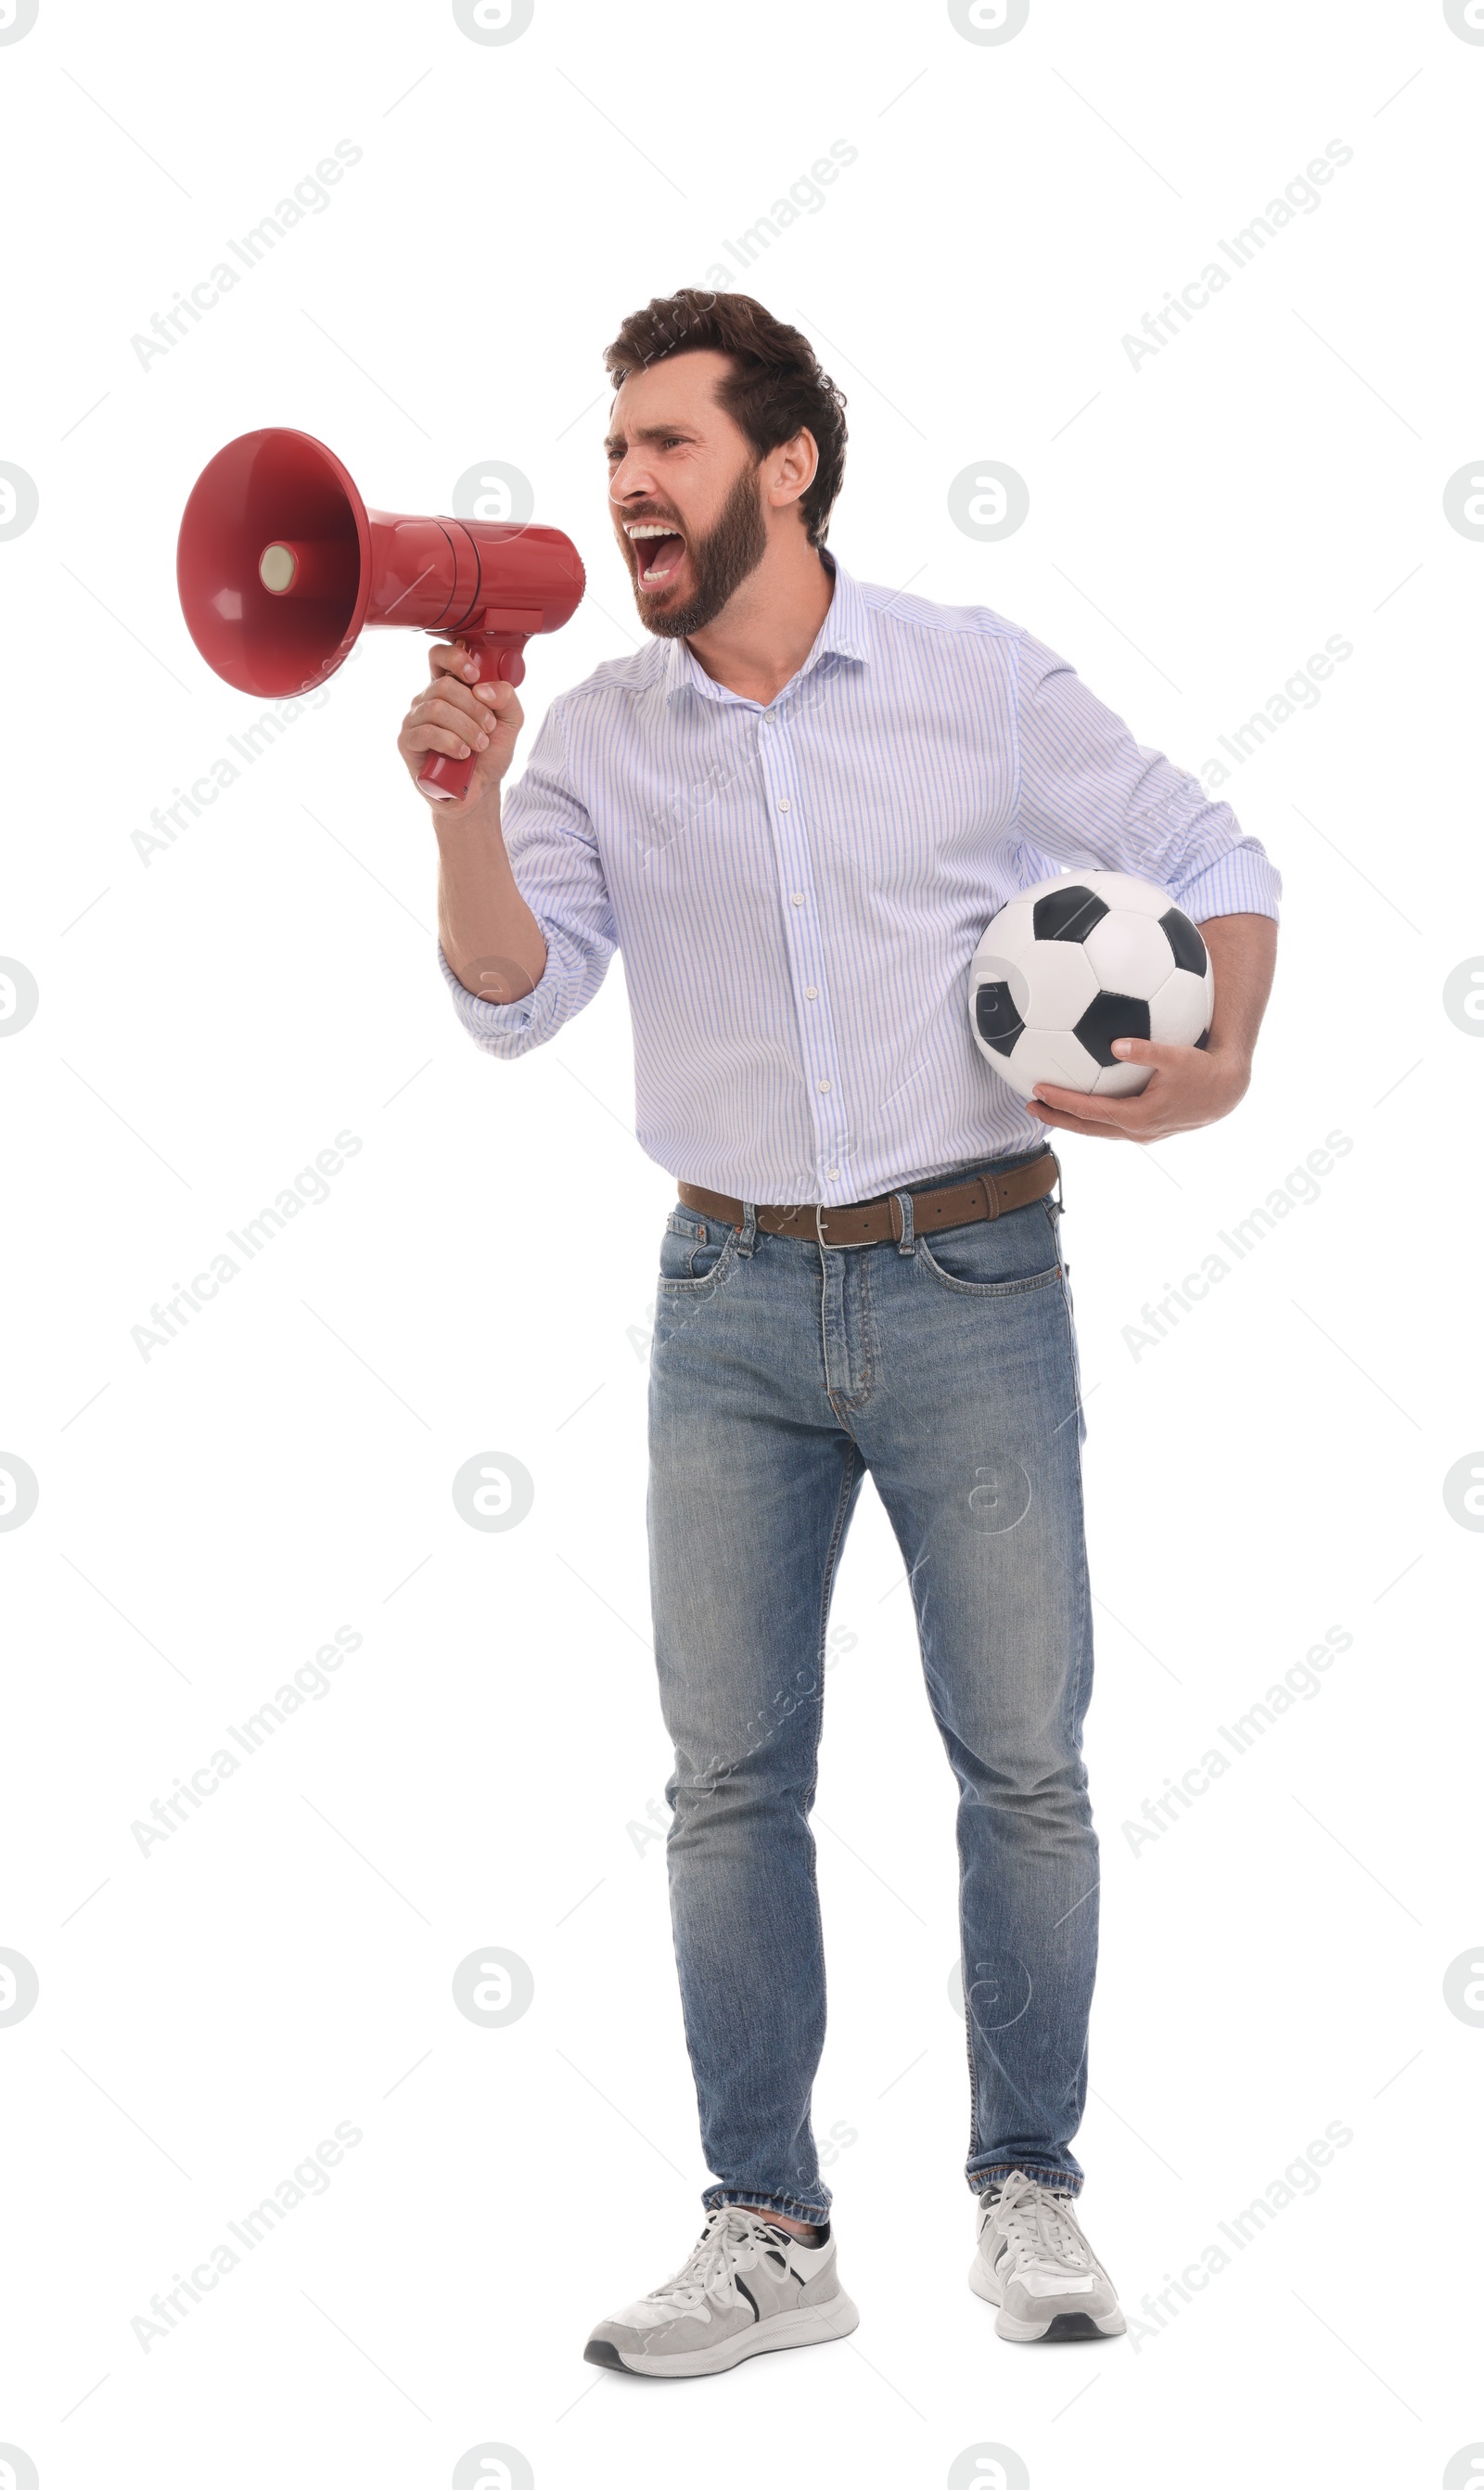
(1069, 916)
(996, 1018)
(1110, 1016)
(1184, 941)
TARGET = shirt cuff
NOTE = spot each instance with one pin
(1244, 881)
(509, 1030)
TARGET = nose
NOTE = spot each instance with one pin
(631, 481)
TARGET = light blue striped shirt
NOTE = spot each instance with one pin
(797, 890)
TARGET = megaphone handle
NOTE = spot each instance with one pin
(499, 659)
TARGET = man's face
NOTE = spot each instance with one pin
(685, 492)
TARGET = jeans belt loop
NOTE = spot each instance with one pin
(748, 1227)
(906, 1242)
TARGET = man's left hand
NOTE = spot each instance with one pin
(1189, 1086)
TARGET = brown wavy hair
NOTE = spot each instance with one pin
(776, 387)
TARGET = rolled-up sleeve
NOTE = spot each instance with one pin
(554, 858)
(1090, 794)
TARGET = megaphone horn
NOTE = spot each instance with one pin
(280, 567)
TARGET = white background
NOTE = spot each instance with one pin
(481, 1274)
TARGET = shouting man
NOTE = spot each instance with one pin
(796, 812)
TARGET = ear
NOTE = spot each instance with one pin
(791, 469)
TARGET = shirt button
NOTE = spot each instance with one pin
(783, 803)
(812, 994)
(797, 897)
(832, 1171)
(826, 1084)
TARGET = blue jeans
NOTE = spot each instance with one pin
(782, 1371)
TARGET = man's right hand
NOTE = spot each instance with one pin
(458, 715)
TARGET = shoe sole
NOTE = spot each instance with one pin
(1068, 2325)
(790, 2331)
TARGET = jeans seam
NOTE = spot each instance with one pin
(1079, 1687)
(854, 1469)
(1003, 2169)
(1081, 1690)
(847, 1483)
(968, 2034)
(1079, 1406)
(858, 1400)
(843, 1404)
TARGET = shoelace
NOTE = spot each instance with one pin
(1035, 2220)
(731, 2240)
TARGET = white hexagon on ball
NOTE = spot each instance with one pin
(1048, 1055)
(1130, 953)
(1180, 1013)
(1060, 982)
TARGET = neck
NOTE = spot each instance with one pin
(765, 632)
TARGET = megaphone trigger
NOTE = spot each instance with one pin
(499, 656)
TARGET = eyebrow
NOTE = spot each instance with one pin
(646, 432)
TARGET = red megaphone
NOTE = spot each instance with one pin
(280, 566)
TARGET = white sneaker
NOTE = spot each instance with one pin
(748, 2286)
(1036, 2265)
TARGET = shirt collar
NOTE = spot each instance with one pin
(844, 632)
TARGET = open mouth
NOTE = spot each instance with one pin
(658, 550)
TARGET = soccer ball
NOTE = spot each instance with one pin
(1071, 963)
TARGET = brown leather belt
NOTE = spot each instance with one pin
(873, 1223)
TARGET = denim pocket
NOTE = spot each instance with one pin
(694, 1254)
(996, 1258)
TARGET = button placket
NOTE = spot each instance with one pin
(801, 938)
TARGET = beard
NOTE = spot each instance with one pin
(720, 560)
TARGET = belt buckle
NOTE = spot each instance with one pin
(820, 1237)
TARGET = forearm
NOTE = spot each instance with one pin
(489, 938)
(1243, 949)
